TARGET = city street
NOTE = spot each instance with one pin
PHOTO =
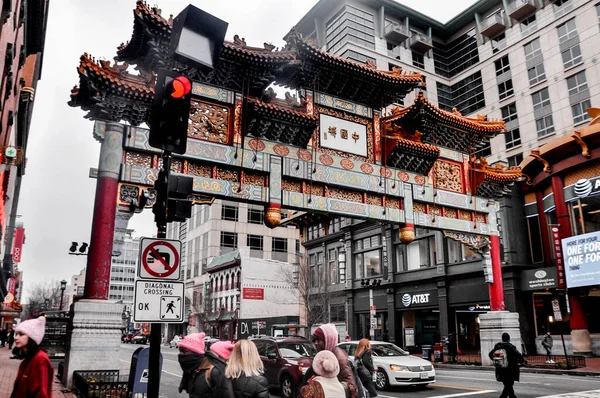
(450, 382)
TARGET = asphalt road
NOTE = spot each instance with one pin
(450, 382)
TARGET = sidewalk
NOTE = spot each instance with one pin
(592, 368)
(8, 372)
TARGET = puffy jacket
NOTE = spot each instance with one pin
(250, 387)
(216, 384)
(34, 378)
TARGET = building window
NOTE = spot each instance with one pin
(536, 74)
(515, 160)
(577, 83)
(368, 264)
(572, 56)
(498, 43)
(255, 242)
(485, 151)
(561, 7)
(315, 231)
(297, 245)
(393, 50)
(509, 112)
(512, 138)
(280, 245)
(528, 25)
(580, 111)
(540, 99)
(350, 24)
(337, 313)
(357, 57)
(229, 213)
(255, 216)
(228, 239)
(332, 266)
(505, 89)
(544, 126)
(567, 31)
(598, 11)
(502, 65)
(532, 49)
(421, 253)
(418, 60)
(451, 58)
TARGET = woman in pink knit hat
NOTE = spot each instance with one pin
(325, 383)
(191, 355)
(34, 379)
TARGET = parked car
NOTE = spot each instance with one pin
(140, 339)
(175, 341)
(394, 366)
(286, 360)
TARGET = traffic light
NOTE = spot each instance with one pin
(173, 199)
(170, 112)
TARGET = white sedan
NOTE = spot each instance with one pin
(394, 366)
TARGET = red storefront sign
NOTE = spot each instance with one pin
(253, 293)
(558, 254)
(18, 244)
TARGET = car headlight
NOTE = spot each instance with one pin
(398, 368)
(432, 367)
(303, 369)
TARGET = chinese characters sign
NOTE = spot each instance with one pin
(558, 254)
(343, 135)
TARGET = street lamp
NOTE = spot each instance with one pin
(197, 38)
(63, 286)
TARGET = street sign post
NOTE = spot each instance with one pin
(157, 301)
(159, 259)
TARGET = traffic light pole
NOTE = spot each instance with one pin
(155, 328)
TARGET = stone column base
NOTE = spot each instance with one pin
(93, 337)
(491, 327)
(582, 342)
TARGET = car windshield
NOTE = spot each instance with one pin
(387, 350)
(297, 350)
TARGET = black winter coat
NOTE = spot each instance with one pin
(217, 385)
(251, 387)
(514, 359)
(365, 372)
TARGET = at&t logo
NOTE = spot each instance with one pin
(407, 299)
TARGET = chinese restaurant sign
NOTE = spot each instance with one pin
(582, 259)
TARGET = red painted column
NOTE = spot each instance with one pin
(496, 288)
(97, 278)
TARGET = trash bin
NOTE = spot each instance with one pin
(438, 352)
(426, 352)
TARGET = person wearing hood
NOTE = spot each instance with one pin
(191, 355)
(34, 378)
(325, 337)
(325, 383)
(210, 380)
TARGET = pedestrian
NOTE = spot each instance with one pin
(348, 338)
(34, 378)
(452, 348)
(506, 359)
(191, 355)
(209, 379)
(325, 382)
(245, 369)
(325, 337)
(547, 344)
(364, 366)
(3, 335)
(10, 339)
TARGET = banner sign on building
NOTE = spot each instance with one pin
(253, 293)
(18, 244)
(539, 279)
(582, 259)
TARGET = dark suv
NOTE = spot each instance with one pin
(286, 359)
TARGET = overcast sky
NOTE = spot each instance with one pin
(57, 196)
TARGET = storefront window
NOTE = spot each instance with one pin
(535, 240)
(585, 215)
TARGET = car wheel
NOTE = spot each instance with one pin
(288, 387)
(381, 379)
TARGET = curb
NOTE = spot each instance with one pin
(523, 370)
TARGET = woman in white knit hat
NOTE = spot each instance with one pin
(34, 379)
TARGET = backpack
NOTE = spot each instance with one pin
(500, 358)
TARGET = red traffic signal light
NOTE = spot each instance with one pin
(180, 87)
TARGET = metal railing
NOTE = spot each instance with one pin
(558, 361)
(100, 384)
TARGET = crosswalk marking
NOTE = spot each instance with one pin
(581, 394)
